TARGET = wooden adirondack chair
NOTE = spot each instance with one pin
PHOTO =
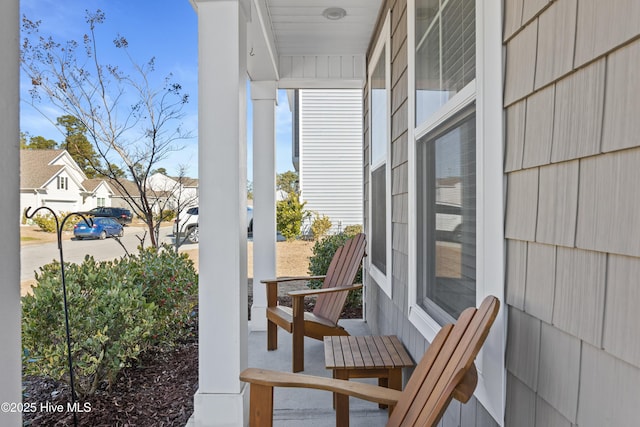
(330, 301)
(446, 371)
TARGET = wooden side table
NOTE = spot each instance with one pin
(381, 357)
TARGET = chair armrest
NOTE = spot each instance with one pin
(291, 279)
(467, 385)
(363, 391)
(297, 299)
(272, 286)
(307, 292)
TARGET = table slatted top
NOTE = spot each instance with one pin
(368, 352)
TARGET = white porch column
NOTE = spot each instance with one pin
(10, 374)
(264, 95)
(223, 329)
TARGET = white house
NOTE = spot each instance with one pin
(52, 178)
(178, 192)
(328, 143)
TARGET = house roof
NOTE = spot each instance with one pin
(93, 183)
(117, 189)
(36, 168)
(186, 181)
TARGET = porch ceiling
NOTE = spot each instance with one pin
(297, 28)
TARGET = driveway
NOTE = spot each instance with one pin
(32, 257)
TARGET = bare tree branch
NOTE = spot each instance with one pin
(129, 120)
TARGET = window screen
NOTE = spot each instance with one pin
(379, 219)
(446, 224)
(379, 125)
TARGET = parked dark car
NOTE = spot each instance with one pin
(123, 216)
(101, 228)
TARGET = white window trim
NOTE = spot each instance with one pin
(384, 41)
(490, 255)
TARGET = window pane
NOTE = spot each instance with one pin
(447, 219)
(379, 219)
(379, 134)
(445, 52)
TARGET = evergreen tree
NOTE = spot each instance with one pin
(78, 146)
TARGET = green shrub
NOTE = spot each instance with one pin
(117, 309)
(110, 323)
(320, 226)
(169, 280)
(167, 215)
(289, 213)
(323, 252)
(352, 230)
(48, 223)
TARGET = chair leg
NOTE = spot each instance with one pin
(261, 406)
(341, 401)
(272, 336)
(394, 382)
(298, 349)
(383, 382)
(298, 334)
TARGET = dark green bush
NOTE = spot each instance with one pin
(323, 251)
(117, 310)
(110, 323)
(169, 280)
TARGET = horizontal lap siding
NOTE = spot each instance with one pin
(572, 156)
(331, 154)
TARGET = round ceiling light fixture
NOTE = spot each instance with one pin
(334, 13)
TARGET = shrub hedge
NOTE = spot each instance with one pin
(117, 309)
(323, 251)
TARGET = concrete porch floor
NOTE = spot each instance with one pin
(301, 407)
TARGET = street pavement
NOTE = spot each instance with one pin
(32, 257)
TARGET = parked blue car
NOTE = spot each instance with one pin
(101, 229)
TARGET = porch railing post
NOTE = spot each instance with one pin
(264, 95)
(222, 170)
(10, 375)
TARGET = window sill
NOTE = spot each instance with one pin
(381, 279)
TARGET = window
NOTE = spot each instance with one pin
(446, 213)
(445, 157)
(456, 180)
(445, 52)
(379, 164)
(62, 183)
(100, 202)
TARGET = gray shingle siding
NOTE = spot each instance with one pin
(515, 131)
(558, 203)
(572, 219)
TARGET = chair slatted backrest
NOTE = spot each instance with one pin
(342, 272)
(444, 366)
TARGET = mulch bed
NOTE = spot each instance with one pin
(158, 391)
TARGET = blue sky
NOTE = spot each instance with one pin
(164, 29)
